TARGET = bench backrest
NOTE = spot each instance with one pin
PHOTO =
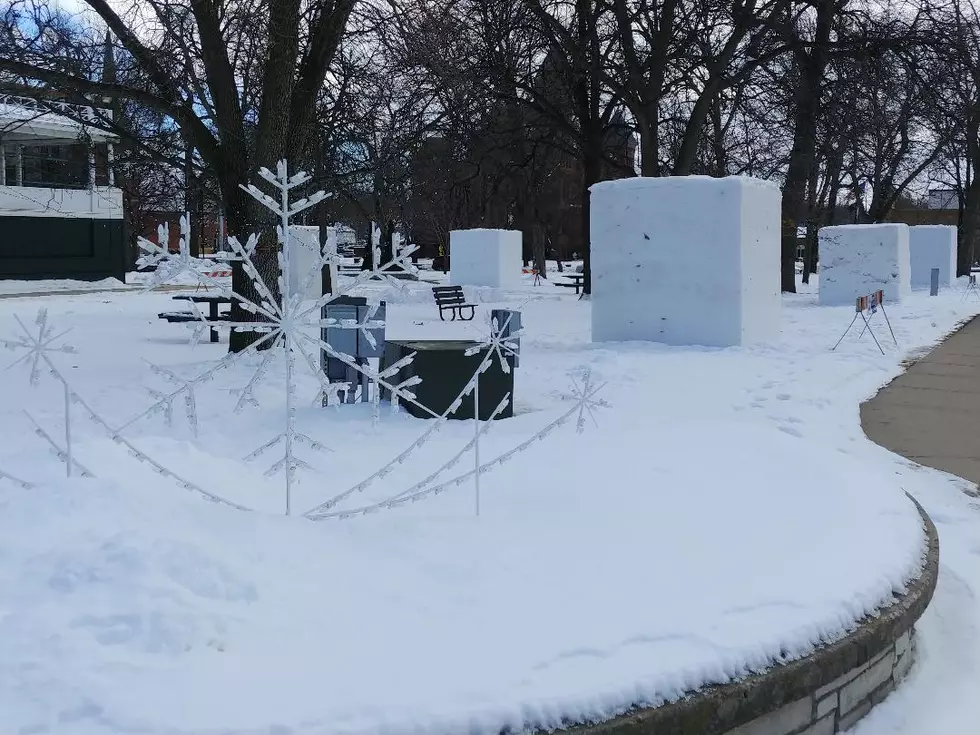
(448, 295)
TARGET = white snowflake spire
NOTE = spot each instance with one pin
(587, 403)
(167, 266)
(57, 450)
(166, 400)
(16, 480)
(500, 343)
(38, 343)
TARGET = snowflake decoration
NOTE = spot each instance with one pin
(16, 480)
(586, 401)
(38, 344)
(294, 330)
(167, 266)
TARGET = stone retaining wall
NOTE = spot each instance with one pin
(822, 694)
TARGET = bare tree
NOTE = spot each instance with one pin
(240, 81)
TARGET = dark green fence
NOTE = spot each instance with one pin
(62, 247)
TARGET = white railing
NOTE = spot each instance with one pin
(101, 202)
(67, 109)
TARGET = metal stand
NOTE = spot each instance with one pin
(859, 312)
(971, 288)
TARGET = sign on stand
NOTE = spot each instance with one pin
(866, 307)
(971, 287)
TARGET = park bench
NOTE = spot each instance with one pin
(451, 298)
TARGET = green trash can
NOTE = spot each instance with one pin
(445, 370)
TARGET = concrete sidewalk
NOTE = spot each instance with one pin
(931, 413)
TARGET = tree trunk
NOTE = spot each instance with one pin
(970, 233)
(540, 254)
(649, 145)
(591, 168)
(245, 217)
(807, 107)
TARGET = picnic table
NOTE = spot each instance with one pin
(213, 303)
(578, 281)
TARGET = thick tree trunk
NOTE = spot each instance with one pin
(970, 232)
(807, 106)
(540, 251)
(591, 169)
(649, 145)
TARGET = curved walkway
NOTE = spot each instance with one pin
(930, 413)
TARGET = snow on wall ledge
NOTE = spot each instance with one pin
(856, 260)
(685, 260)
(932, 246)
(482, 257)
(824, 693)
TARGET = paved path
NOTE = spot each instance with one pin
(931, 414)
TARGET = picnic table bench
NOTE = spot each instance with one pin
(578, 280)
(451, 298)
(213, 303)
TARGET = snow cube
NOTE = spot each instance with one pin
(485, 258)
(304, 254)
(857, 260)
(932, 246)
(685, 260)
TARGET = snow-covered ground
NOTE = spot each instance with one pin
(12, 287)
(727, 512)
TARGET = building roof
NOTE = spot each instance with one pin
(32, 122)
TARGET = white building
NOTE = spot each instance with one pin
(62, 213)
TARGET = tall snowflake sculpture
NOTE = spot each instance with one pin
(292, 329)
(167, 266)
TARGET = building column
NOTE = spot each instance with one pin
(112, 173)
(91, 167)
(20, 165)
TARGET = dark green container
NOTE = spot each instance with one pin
(445, 370)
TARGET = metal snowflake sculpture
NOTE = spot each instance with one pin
(167, 266)
(292, 329)
(585, 394)
(38, 345)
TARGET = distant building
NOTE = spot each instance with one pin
(62, 215)
(944, 199)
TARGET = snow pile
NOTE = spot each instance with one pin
(131, 608)
(44, 286)
(651, 241)
(857, 260)
(727, 513)
(932, 246)
(484, 257)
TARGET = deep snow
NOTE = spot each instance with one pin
(727, 511)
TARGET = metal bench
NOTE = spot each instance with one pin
(451, 298)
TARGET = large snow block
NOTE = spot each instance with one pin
(932, 246)
(856, 260)
(304, 255)
(685, 260)
(485, 258)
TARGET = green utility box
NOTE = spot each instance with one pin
(445, 370)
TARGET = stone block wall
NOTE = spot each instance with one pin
(841, 703)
